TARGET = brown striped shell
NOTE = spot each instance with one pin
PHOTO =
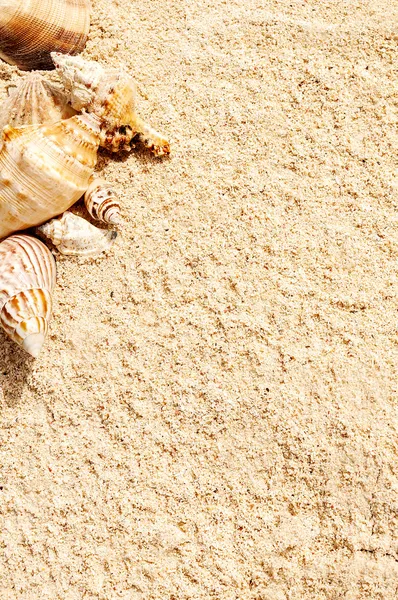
(31, 29)
(44, 170)
(111, 96)
(33, 102)
(27, 280)
(101, 202)
(75, 236)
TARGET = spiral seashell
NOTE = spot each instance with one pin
(35, 101)
(111, 95)
(44, 170)
(27, 280)
(101, 202)
(75, 236)
(31, 29)
(85, 82)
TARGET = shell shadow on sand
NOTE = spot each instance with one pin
(142, 154)
(15, 368)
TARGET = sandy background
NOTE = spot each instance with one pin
(214, 413)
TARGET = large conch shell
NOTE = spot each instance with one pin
(75, 236)
(101, 202)
(44, 170)
(33, 102)
(110, 95)
(31, 29)
(27, 280)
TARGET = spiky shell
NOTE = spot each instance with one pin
(44, 170)
(31, 29)
(111, 95)
(75, 236)
(101, 202)
(35, 101)
(108, 93)
(27, 280)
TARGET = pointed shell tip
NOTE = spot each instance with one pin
(114, 219)
(33, 344)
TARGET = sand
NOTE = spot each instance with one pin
(214, 412)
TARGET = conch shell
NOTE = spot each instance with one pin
(27, 280)
(45, 169)
(101, 202)
(35, 101)
(110, 95)
(75, 236)
(31, 29)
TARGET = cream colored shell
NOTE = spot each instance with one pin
(27, 280)
(111, 95)
(31, 29)
(75, 236)
(33, 102)
(44, 170)
(101, 202)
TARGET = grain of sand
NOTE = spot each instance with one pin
(214, 413)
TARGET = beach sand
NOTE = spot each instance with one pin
(214, 412)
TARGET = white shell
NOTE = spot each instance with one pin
(85, 81)
(101, 202)
(27, 280)
(33, 102)
(75, 236)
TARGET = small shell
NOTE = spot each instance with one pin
(44, 170)
(27, 280)
(35, 101)
(30, 30)
(101, 202)
(75, 236)
(111, 95)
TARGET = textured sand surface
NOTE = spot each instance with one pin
(214, 413)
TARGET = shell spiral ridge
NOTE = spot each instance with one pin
(30, 31)
(45, 169)
(27, 280)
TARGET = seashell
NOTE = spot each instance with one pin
(101, 202)
(27, 280)
(75, 236)
(44, 169)
(35, 101)
(111, 95)
(30, 30)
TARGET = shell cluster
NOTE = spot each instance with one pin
(50, 136)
